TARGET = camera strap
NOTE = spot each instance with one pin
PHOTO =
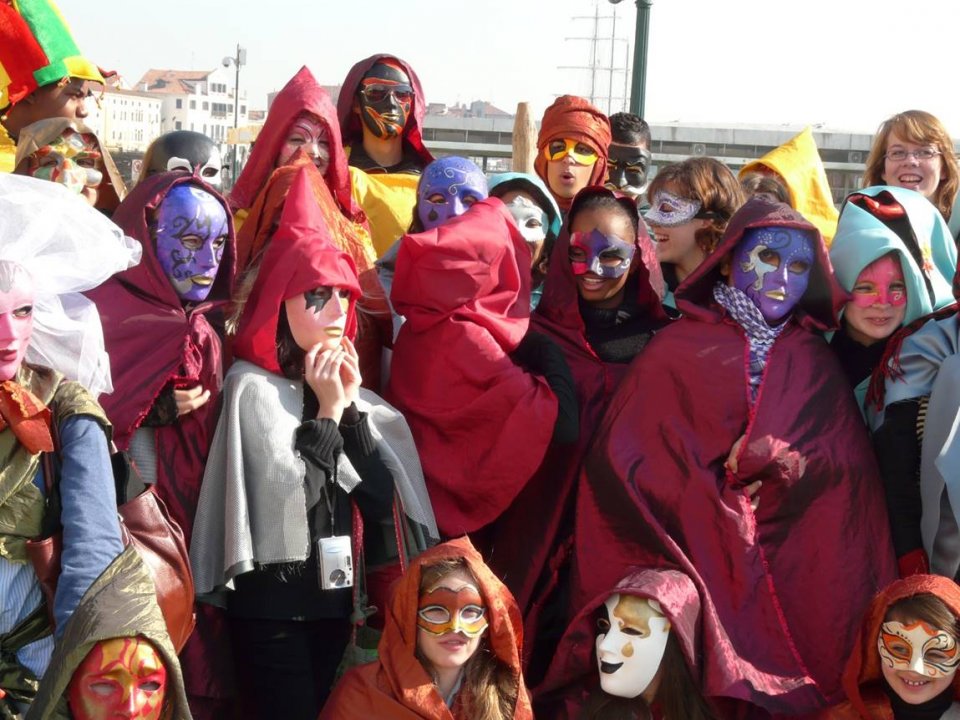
(330, 499)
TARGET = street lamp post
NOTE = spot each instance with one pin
(239, 59)
(638, 87)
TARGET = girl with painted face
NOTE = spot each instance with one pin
(690, 205)
(297, 444)
(904, 665)
(450, 648)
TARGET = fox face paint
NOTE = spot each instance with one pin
(119, 678)
(310, 135)
(449, 187)
(385, 98)
(605, 255)
(443, 610)
(16, 317)
(318, 316)
(72, 159)
(669, 210)
(880, 283)
(918, 647)
(631, 639)
(191, 231)
(772, 265)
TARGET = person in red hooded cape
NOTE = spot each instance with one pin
(541, 517)
(398, 686)
(702, 427)
(165, 358)
(482, 423)
(869, 693)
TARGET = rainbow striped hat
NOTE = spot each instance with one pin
(37, 49)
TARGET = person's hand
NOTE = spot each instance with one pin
(350, 371)
(731, 464)
(752, 491)
(188, 400)
(321, 371)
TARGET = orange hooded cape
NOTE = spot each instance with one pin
(397, 687)
(862, 678)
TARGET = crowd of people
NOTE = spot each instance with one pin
(375, 435)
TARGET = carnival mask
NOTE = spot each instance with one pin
(310, 135)
(318, 316)
(627, 168)
(605, 255)
(447, 189)
(918, 647)
(191, 231)
(443, 610)
(385, 98)
(630, 644)
(669, 210)
(772, 265)
(880, 283)
(190, 151)
(119, 678)
(72, 159)
(16, 317)
(530, 218)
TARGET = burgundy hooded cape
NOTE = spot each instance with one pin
(152, 341)
(481, 423)
(350, 123)
(654, 488)
(540, 519)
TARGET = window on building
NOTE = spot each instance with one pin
(206, 105)
(193, 104)
(179, 103)
(178, 124)
(243, 109)
(204, 128)
(230, 107)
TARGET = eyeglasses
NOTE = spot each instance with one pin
(580, 152)
(921, 154)
(379, 93)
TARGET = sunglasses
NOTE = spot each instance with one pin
(379, 93)
(580, 152)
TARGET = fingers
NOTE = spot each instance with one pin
(350, 348)
(752, 490)
(189, 399)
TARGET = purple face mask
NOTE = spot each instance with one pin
(771, 265)
(191, 232)
(448, 188)
(605, 255)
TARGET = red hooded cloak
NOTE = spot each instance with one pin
(481, 423)
(655, 489)
(397, 687)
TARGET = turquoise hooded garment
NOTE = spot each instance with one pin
(503, 183)
(863, 237)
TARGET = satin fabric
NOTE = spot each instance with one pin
(396, 686)
(481, 423)
(654, 489)
(26, 416)
(862, 679)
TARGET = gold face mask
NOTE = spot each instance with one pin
(443, 611)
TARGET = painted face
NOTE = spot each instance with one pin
(16, 317)
(318, 317)
(191, 232)
(771, 265)
(119, 678)
(310, 135)
(670, 210)
(569, 166)
(913, 171)
(448, 188)
(878, 301)
(385, 100)
(918, 660)
(606, 256)
(631, 640)
(601, 290)
(72, 159)
(190, 151)
(451, 619)
(627, 168)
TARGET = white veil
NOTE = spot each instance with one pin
(67, 247)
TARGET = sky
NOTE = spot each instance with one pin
(845, 64)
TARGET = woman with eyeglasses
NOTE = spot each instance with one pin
(913, 150)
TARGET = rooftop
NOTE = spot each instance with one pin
(172, 82)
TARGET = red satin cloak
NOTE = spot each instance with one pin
(481, 423)
(654, 489)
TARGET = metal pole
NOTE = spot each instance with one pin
(613, 47)
(639, 87)
(236, 113)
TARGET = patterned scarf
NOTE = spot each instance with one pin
(759, 334)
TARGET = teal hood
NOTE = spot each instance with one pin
(862, 237)
(503, 183)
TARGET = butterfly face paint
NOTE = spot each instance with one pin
(310, 135)
(448, 188)
(385, 98)
(318, 317)
(72, 159)
(631, 639)
(16, 317)
(880, 283)
(191, 232)
(607, 256)
(443, 611)
(772, 265)
(530, 219)
(669, 210)
(119, 678)
(627, 168)
(918, 647)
